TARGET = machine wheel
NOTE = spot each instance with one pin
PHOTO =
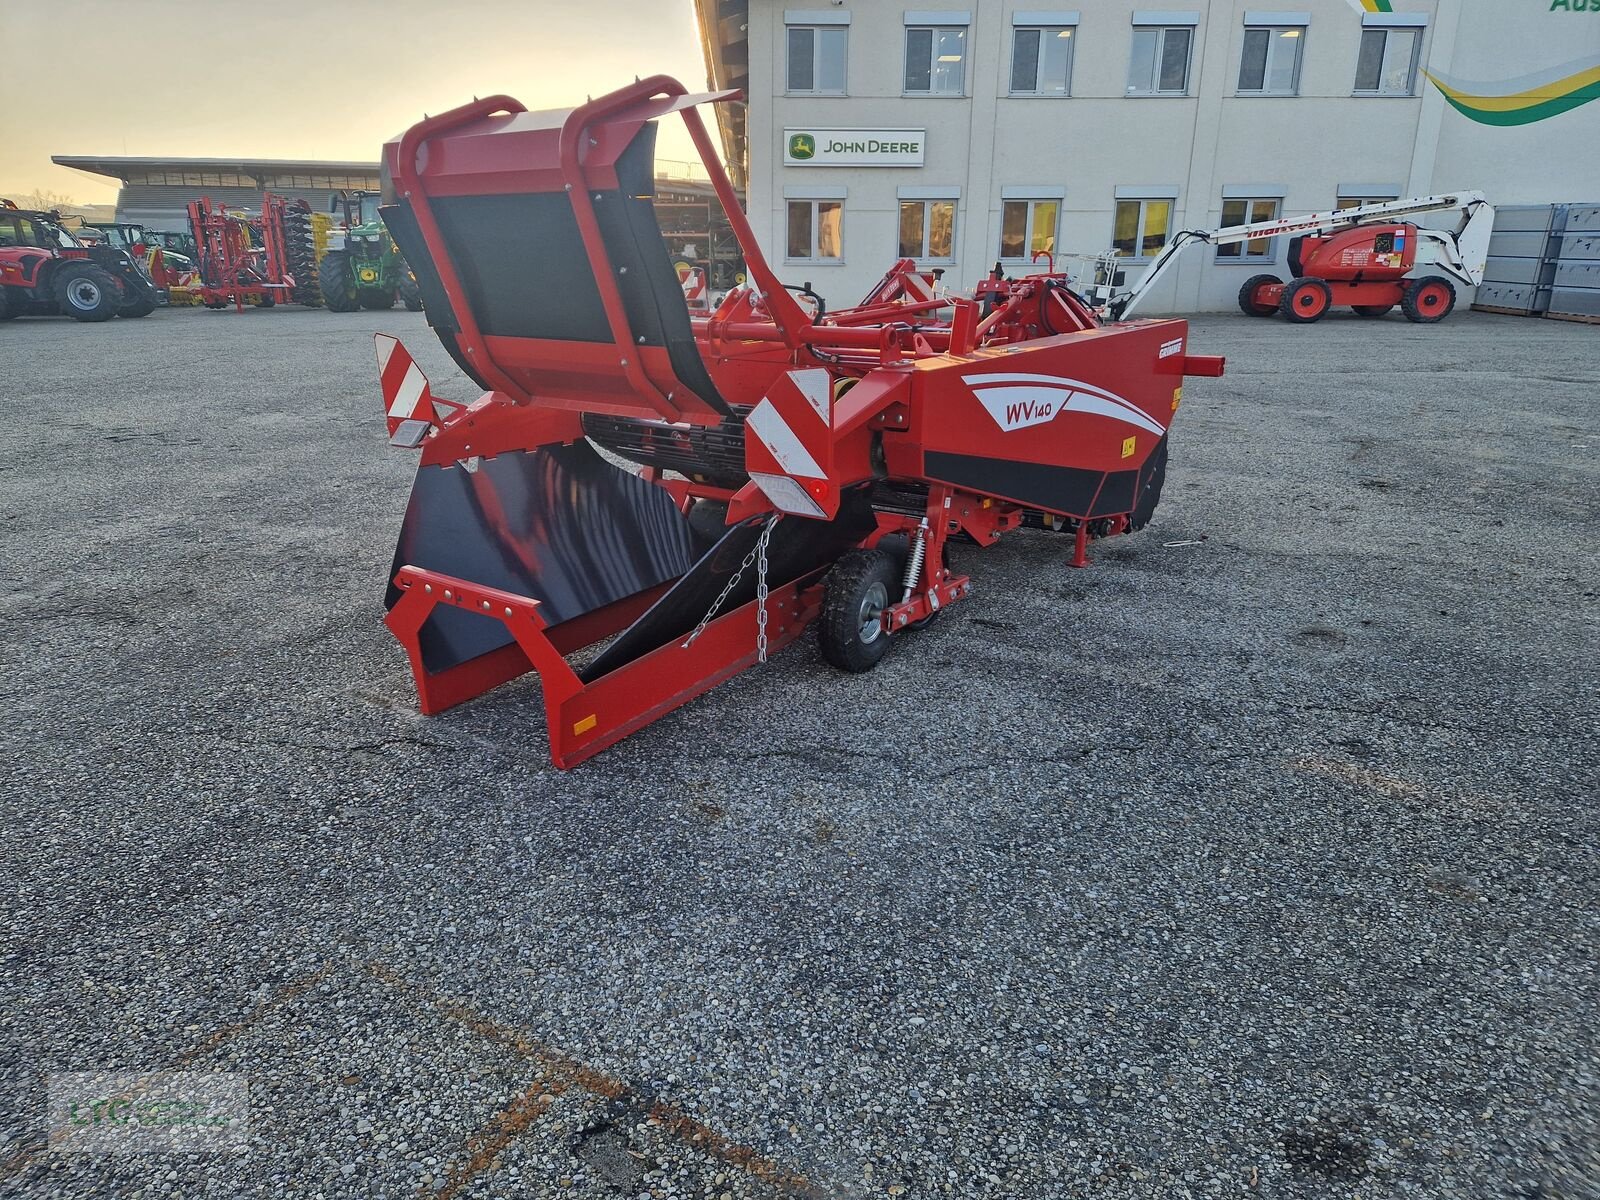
(1150, 481)
(267, 300)
(857, 591)
(337, 284)
(1428, 300)
(1248, 304)
(410, 293)
(1372, 310)
(141, 307)
(899, 545)
(376, 300)
(708, 519)
(8, 311)
(1305, 300)
(87, 293)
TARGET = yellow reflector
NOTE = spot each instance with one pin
(584, 725)
(1177, 394)
(1127, 446)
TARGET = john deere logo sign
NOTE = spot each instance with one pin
(855, 147)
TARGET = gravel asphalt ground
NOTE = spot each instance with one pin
(1260, 859)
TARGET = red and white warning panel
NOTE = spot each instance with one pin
(409, 404)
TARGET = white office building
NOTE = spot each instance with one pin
(962, 136)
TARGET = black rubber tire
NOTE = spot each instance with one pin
(87, 293)
(1150, 481)
(9, 310)
(1372, 311)
(1418, 305)
(268, 300)
(375, 300)
(1247, 291)
(858, 582)
(337, 283)
(142, 307)
(410, 294)
(899, 545)
(1299, 303)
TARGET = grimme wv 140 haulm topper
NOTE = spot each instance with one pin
(798, 466)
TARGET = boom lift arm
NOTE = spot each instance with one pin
(1460, 252)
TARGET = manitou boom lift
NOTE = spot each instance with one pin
(1356, 256)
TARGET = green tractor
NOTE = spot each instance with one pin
(362, 268)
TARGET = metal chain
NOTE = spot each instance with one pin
(758, 554)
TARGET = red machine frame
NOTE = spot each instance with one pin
(908, 385)
(231, 269)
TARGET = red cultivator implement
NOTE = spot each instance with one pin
(251, 258)
(798, 467)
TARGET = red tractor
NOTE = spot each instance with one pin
(45, 271)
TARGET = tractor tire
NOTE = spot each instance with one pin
(1247, 296)
(9, 310)
(376, 300)
(1428, 300)
(87, 293)
(1305, 300)
(1150, 481)
(858, 588)
(1372, 311)
(141, 307)
(337, 283)
(708, 521)
(410, 294)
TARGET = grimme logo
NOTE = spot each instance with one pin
(802, 146)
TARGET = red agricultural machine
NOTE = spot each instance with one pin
(796, 467)
(257, 259)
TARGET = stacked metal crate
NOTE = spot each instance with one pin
(1575, 294)
(1523, 253)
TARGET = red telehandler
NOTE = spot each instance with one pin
(796, 467)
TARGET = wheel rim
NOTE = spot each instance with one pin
(1430, 298)
(1309, 301)
(83, 293)
(870, 617)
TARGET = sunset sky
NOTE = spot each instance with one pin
(291, 79)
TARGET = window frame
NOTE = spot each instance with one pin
(816, 31)
(814, 203)
(1244, 256)
(1156, 91)
(1342, 203)
(1418, 33)
(954, 201)
(1043, 31)
(1142, 232)
(934, 32)
(1272, 31)
(1030, 229)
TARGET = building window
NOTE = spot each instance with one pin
(1141, 227)
(815, 230)
(1041, 61)
(1160, 63)
(928, 229)
(936, 61)
(1028, 227)
(817, 59)
(1248, 212)
(1388, 62)
(1360, 201)
(1271, 62)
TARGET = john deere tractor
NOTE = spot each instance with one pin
(362, 268)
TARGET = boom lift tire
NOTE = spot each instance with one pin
(1372, 310)
(1305, 300)
(337, 283)
(859, 587)
(1428, 300)
(1248, 304)
(87, 293)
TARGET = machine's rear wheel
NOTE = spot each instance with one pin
(1305, 300)
(410, 293)
(376, 300)
(1248, 304)
(1372, 310)
(336, 283)
(857, 590)
(87, 293)
(1429, 299)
